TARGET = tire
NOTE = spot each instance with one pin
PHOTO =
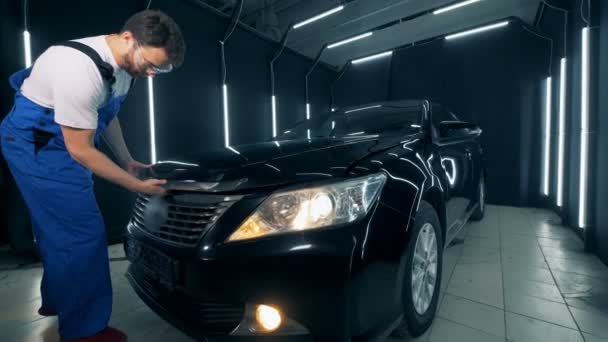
(417, 316)
(480, 211)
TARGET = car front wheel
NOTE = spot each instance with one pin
(424, 254)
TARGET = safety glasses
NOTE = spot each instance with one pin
(151, 66)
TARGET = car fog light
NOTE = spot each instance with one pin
(268, 318)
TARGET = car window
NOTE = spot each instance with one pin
(441, 114)
(380, 119)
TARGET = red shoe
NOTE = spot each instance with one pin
(106, 335)
(46, 312)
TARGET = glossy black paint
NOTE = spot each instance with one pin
(337, 282)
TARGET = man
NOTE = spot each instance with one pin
(63, 105)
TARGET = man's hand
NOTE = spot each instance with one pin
(151, 187)
(135, 168)
(79, 143)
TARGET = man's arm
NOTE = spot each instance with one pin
(114, 138)
(79, 143)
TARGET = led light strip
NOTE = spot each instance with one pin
(360, 109)
(582, 209)
(372, 57)
(350, 40)
(455, 6)
(226, 119)
(547, 147)
(477, 30)
(152, 120)
(28, 48)
(317, 17)
(274, 116)
(308, 111)
(561, 133)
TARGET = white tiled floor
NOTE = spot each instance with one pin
(512, 277)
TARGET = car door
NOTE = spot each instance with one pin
(473, 153)
(455, 153)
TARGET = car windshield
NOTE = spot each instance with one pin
(378, 119)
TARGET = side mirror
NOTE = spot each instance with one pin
(453, 129)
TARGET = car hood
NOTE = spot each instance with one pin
(270, 164)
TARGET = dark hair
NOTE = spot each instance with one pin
(155, 28)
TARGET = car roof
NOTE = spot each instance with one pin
(398, 103)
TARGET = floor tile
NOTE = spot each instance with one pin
(478, 282)
(558, 252)
(518, 242)
(571, 244)
(23, 313)
(482, 229)
(481, 241)
(477, 254)
(525, 329)
(592, 267)
(523, 259)
(444, 330)
(513, 272)
(538, 308)
(116, 251)
(552, 231)
(533, 289)
(591, 322)
(472, 314)
(44, 330)
(591, 338)
(590, 303)
(448, 269)
(579, 285)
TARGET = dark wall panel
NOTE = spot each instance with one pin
(291, 92)
(571, 210)
(492, 79)
(599, 192)
(573, 123)
(192, 96)
(248, 75)
(320, 82)
(572, 48)
(364, 83)
(189, 116)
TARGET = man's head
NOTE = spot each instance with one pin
(151, 43)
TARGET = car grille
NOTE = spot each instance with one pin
(185, 216)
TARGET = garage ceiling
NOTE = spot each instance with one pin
(273, 17)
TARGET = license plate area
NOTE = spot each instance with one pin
(154, 264)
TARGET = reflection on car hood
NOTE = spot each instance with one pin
(270, 164)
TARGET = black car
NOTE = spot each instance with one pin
(332, 231)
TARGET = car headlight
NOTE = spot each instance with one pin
(312, 208)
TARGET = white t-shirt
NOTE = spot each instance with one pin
(69, 82)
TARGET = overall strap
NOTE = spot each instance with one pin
(105, 69)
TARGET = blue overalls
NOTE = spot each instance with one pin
(66, 220)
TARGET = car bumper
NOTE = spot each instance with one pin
(306, 276)
(331, 283)
(161, 306)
